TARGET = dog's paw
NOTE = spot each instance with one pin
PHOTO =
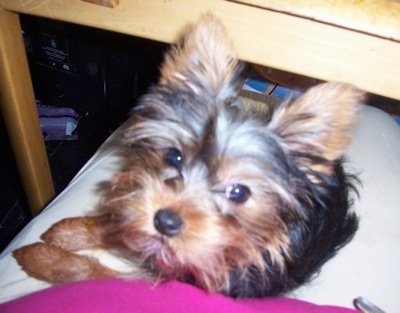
(78, 233)
(54, 265)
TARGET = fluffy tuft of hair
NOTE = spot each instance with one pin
(203, 61)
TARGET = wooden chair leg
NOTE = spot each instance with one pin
(17, 104)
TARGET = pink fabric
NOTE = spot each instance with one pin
(112, 295)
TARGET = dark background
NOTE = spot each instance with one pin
(100, 75)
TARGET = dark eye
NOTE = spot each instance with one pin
(173, 157)
(237, 193)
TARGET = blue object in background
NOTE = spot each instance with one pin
(258, 84)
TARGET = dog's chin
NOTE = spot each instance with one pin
(215, 267)
(157, 254)
(156, 251)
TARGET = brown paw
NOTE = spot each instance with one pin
(79, 233)
(55, 265)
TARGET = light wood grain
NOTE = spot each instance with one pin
(378, 17)
(104, 3)
(19, 111)
(261, 36)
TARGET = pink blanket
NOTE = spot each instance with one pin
(114, 295)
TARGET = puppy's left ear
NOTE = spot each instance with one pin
(203, 61)
(318, 125)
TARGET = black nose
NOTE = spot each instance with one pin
(168, 222)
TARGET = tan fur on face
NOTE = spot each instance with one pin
(257, 218)
(208, 246)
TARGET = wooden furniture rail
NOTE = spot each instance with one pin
(355, 41)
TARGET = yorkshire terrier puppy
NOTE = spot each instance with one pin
(213, 195)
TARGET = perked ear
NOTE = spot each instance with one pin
(203, 61)
(319, 123)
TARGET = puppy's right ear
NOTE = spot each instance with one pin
(203, 61)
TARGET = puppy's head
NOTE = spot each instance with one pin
(221, 198)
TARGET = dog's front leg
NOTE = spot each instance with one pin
(56, 266)
(78, 233)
